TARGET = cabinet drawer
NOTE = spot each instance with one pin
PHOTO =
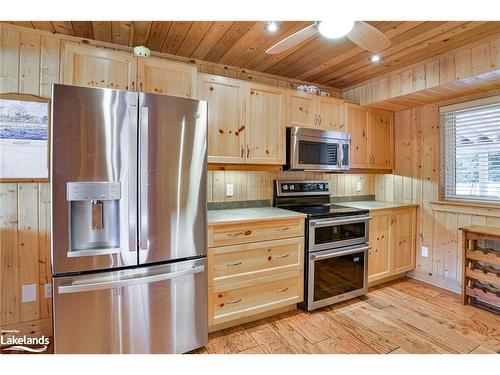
(232, 234)
(231, 264)
(235, 301)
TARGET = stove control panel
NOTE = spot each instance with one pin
(302, 187)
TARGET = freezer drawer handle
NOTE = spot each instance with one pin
(132, 281)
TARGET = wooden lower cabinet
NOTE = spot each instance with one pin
(229, 302)
(249, 276)
(392, 241)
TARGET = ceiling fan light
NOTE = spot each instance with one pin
(272, 27)
(335, 29)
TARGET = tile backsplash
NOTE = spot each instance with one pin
(250, 185)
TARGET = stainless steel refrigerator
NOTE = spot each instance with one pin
(129, 221)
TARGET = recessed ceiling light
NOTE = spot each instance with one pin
(335, 29)
(272, 27)
(375, 58)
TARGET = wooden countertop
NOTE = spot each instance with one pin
(480, 229)
(243, 215)
(376, 205)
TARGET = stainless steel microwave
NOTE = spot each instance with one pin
(317, 150)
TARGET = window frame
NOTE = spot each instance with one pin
(474, 200)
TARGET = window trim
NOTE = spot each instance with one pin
(465, 105)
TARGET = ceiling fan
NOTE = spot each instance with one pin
(359, 32)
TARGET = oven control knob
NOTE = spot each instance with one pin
(292, 187)
(285, 187)
(320, 187)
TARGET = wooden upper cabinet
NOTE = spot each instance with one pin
(166, 77)
(265, 125)
(226, 118)
(379, 256)
(403, 239)
(85, 66)
(301, 110)
(357, 122)
(381, 133)
(330, 113)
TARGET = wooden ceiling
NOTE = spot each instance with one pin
(338, 63)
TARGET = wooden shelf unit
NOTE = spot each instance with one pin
(481, 272)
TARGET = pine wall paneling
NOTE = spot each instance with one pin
(416, 180)
(29, 65)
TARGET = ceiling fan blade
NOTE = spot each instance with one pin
(368, 37)
(293, 39)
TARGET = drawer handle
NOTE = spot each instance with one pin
(233, 302)
(234, 264)
(282, 256)
(282, 291)
(248, 232)
(283, 229)
(233, 235)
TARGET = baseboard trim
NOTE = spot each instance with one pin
(441, 282)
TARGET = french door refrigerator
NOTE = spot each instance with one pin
(129, 221)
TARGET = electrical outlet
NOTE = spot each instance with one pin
(358, 186)
(425, 251)
(28, 293)
(229, 190)
(47, 290)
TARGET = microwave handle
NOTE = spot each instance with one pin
(340, 155)
(336, 253)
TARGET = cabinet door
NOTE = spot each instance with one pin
(379, 259)
(403, 240)
(226, 118)
(301, 109)
(265, 128)
(381, 135)
(166, 77)
(331, 114)
(357, 123)
(84, 66)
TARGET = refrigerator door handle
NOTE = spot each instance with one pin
(132, 183)
(90, 287)
(143, 179)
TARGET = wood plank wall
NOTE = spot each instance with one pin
(259, 185)
(29, 64)
(416, 180)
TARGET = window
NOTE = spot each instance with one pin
(470, 150)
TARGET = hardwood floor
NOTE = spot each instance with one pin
(403, 316)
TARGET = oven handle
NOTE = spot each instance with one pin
(336, 253)
(346, 220)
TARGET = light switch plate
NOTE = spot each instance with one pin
(359, 186)
(47, 290)
(425, 251)
(28, 293)
(229, 190)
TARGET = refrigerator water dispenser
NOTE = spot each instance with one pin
(94, 218)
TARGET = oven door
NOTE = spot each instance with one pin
(338, 232)
(313, 153)
(336, 275)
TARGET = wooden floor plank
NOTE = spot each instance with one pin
(400, 317)
(375, 341)
(423, 321)
(270, 342)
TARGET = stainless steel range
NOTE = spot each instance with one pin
(336, 264)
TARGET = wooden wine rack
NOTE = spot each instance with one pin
(481, 272)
